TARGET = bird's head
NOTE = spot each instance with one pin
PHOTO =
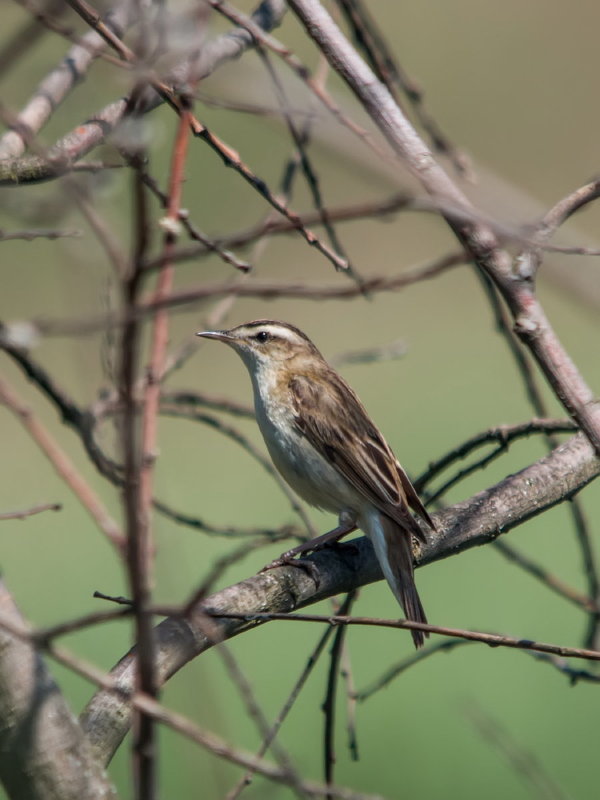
(265, 343)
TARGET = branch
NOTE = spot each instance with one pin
(59, 82)
(276, 226)
(253, 288)
(43, 753)
(29, 512)
(23, 635)
(63, 465)
(29, 236)
(474, 522)
(94, 131)
(530, 321)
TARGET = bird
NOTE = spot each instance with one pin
(323, 442)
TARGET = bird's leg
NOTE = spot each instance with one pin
(347, 524)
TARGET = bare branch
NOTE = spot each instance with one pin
(90, 134)
(547, 578)
(474, 522)
(63, 465)
(29, 512)
(56, 762)
(58, 83)
(29, 236)
(531, 323)
(254, 288)
(13, 627)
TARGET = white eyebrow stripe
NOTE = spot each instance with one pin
(278, 330)
(284, 333)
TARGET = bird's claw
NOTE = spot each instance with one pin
(288, 560)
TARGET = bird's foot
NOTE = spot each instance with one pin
(288, 559)
(312, 546)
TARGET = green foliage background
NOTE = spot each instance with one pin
(515, 85)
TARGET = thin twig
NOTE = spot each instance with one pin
(444, 646)
(369, 38)
(547, 578)
(346, 673)
(81, 422)
(524, 762)
(29, 512)
(530, 258)
(195, 399)
(300, 139)
(491, 639)
(288, 705)
(273, 225)
(148, 706)
(63, 465)
(502, 435)
(328, 706)
(235, 435)
(447, 645)
(208, 245)
(227, 531)
(231, 158)
(29, 236)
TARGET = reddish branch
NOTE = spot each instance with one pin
(137, 517)
(491, 639)
(63, 465)
(160, 328)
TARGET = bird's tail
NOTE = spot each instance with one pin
(392, 546)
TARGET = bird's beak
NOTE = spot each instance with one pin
(222, 336)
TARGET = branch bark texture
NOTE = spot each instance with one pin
(43, 752)
(473, 522)
(531, 324)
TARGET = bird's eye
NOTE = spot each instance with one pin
(262, 337)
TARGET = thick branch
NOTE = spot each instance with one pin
(478, 238)
(476, 521)
(43, 753)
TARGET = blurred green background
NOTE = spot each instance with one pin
(513, 84)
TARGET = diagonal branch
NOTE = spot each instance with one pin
(473, 522)
(530, 321)
(94, 131)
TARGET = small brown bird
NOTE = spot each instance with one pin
(324, 444)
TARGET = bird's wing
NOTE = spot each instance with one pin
(337, 425)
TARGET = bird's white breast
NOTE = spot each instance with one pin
(306, 471)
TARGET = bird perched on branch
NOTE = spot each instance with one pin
(324, 444)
